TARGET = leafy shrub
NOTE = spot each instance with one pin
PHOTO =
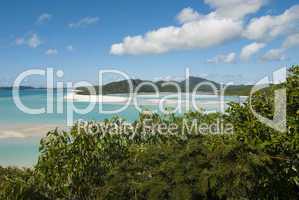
(256, 162)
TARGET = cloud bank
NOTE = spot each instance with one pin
(274, 55)
(206, 32)
(236, 9)
(197, 30)
(268, 27)
(224, 23)
(223, 58)
(250, 50)
(188, 15)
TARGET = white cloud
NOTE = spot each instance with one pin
(279, 54)
(223, 58)
(274, 55)
(70, 48)
(268, 27)
(51, 52)
(206, 32)
(86, 21)
(32, 41)
(45, 17)
(20, 41)
(291, 41)
(197, 30)
(188, 15)
(236, 9)
(250, 50)
(223, 24)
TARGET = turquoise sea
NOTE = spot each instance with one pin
(23, 151)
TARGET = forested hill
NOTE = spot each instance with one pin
(21, 88)
(120, 87)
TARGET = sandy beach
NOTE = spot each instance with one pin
(145, 99)
(26, 130)
(95, 98)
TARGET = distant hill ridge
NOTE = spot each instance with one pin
(120, 87)
(21, 88)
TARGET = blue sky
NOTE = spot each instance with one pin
(208, 36)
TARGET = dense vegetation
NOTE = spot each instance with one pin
(120, 87)
(255, 162)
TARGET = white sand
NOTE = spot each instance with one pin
(166, 101)
(95, 98)
(142, 99)
(119, 99)
(26, 130)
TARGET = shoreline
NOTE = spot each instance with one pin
(150, 98)
(94, 98)
(26, 130)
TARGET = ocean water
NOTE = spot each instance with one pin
(19, 152)
(23, 151)
(37, 98)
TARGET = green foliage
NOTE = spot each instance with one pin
(255, 162)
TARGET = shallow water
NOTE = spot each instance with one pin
(19, 150)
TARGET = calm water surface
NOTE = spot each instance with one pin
(24, 151)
